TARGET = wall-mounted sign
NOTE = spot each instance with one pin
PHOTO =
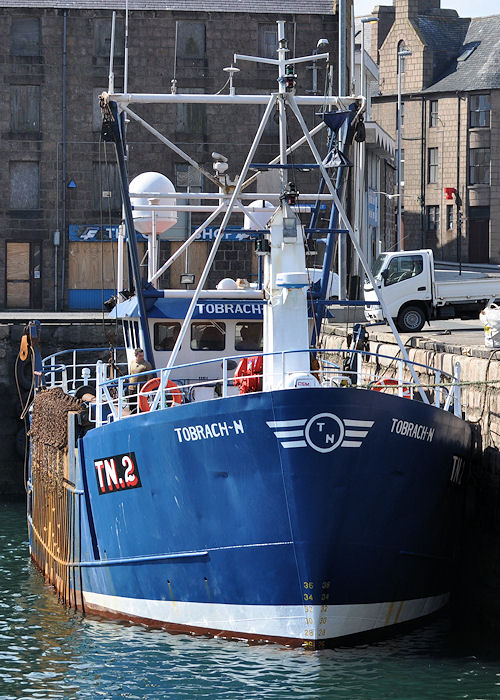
(90, 233)
(372, 208)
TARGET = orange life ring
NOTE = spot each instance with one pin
(152, 385)
(381, 384)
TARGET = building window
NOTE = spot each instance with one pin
(433, 218)
(102, 38)
(401, 59)
(268, 40)
(479, 166)
(25, 36)
(24, 185)
(191, 118)
(191, 40)
(25, 109)
(432, 165)
(479, 110)
(449, 217)
(434, 114)
(187, 178)
(106, 190)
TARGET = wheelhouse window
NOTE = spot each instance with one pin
(403, 268)
(208, 335)
(479, 111)
(165, 335)
(248, 336)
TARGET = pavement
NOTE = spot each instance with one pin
(54, 317)
(456, 336)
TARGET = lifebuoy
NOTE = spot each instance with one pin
(248, 374)
(381, 384)
(152, 385)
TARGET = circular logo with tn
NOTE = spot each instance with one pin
(324, 432)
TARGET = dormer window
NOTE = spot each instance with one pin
(468, 50)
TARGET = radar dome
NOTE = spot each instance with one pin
(227, 283)
(152, 186)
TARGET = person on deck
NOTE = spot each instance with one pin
(138, 365)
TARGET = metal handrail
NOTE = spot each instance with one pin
(107, 387)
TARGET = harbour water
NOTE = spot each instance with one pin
(47, 651)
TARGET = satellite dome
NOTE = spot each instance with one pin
(261, 216)
(152, 185)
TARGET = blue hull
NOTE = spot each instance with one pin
(298, 515)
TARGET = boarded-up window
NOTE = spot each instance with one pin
(191, 118)
(24, 185)
(106, 192)
(191, 40)
(25, 36)
(268, 40)
(102, 38)
(25, 108)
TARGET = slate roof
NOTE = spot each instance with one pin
(481, 70)
(316, 7)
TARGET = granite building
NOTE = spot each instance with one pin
(59, 182)
(450, 135)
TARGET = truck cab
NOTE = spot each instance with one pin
(406, 281)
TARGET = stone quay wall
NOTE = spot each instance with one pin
(54, 338)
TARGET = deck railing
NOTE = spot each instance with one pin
(117, 396)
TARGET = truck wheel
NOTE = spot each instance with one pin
(410, 319)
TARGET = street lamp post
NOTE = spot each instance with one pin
(402, 54)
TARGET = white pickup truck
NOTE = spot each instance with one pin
(415, 292)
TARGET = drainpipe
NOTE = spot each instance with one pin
(63, 157)
(458, 199)
(423, 144)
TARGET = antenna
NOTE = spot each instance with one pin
(111, 78)
(125, 68)
(173, 82)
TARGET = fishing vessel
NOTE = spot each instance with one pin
(250, 485)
